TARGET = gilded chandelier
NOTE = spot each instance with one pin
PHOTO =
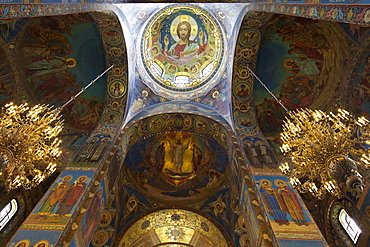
(29, 144)
(28, 147)
(320, 150)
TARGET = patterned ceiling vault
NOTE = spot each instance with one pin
(177, 145)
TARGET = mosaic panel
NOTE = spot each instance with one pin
(54, 211)
(133, 203)
(177, 167)
(30, 238)
(182, 48)
(92, 217)
(287, 214)
(350, 13)
(217, 206)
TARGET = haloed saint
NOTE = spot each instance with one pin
(184, 47)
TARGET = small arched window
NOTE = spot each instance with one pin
(8, 212)
(349, 225)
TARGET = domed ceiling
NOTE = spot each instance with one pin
(182, 49)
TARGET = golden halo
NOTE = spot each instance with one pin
(248, 141)
(145, 93)
(67, 178)
(265, 180)
(42, 242)
(215, 94)
(25, 241)
(280, 181)
(71, 62)
(259, 143)
(181, 18)
(287, 61)
(84, 176)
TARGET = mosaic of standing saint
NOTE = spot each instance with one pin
(182, 48)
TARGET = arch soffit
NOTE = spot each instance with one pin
(208, 229)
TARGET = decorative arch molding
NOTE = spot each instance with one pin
(180, 107)
(175, 226)
(246, 52)
(354, 14)
(191, 118)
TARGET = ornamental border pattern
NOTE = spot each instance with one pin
(354, 14)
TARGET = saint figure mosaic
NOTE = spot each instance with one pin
(182, 48)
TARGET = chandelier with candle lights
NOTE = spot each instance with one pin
(29, 147)
(322, 152)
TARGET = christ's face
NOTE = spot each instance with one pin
(183, 31)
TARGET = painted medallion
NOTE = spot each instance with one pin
(182, 48)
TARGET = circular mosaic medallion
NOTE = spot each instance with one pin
(258, 15)
(245, 120)
(243, 240)
(112, 36)
(242, 91)
(116, 88)
(201, 125)
(155, 124)
(367, 209)
(175, 217)
(131, 135)
(182, 48)
(111, 118)
(100, 238)
(105, 219)
(223, 137)
(249, 37)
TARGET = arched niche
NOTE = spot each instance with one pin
(154, 145)
(173, 227)
(177, 167)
